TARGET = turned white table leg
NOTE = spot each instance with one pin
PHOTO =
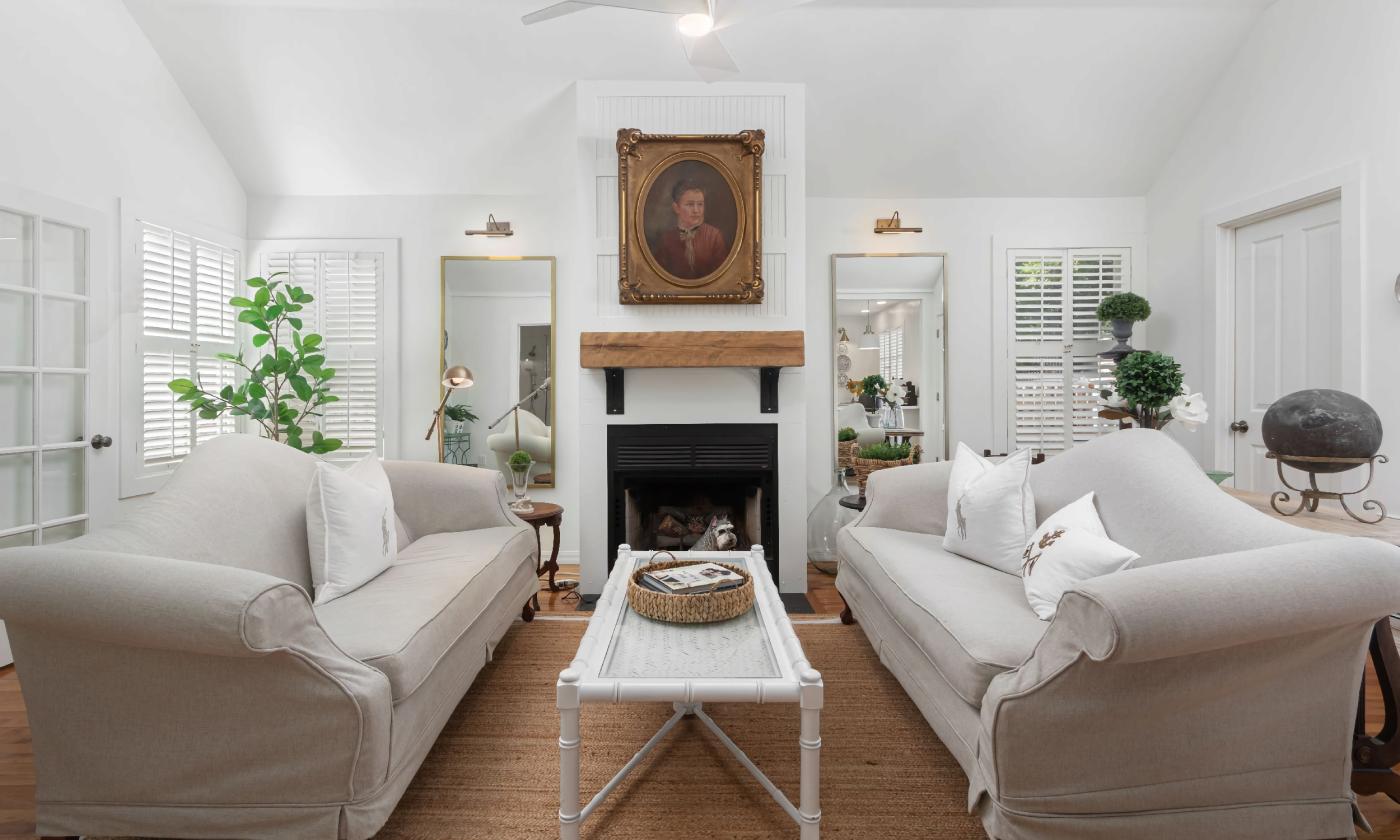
(809, 798)
(570, 819)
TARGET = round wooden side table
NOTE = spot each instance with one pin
(546, 513)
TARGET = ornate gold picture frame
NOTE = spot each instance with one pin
(691, 217)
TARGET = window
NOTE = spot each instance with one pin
(892, 354)
(1055, 339)
(354, 292)
(184, 285)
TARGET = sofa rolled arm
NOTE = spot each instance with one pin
(152, 602)
(1208, 603)
(444, 498)
(912, 498)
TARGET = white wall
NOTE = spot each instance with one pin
(1313, 88)
(91, 114)
(963, 228)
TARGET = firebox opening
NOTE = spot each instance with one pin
(666, 514)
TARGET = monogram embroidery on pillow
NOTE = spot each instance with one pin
(1028, 564)
(384, 529)
(962, 520)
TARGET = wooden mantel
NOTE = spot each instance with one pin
(712, 348)
(767, 350)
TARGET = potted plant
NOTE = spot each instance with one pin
(459, 413)
(1121, 311)
(846, 446)
(870, 389)
(287, 384)
(881, 456)
(520, 464)
(1148, 390)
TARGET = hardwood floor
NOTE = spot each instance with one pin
(17, 755)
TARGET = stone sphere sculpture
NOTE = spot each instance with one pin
(1323, 423)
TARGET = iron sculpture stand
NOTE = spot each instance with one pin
(1309, 496)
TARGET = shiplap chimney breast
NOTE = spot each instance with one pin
(725, 395)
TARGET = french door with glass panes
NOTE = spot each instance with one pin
(54, 461)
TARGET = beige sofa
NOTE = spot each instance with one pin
(1208, 693)
(180, 683)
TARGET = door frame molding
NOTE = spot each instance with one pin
(1346, 184)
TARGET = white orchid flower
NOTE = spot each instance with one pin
(1189, 410)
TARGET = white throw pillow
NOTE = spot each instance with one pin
(1069, 547)
(991, 511)
(351, 527)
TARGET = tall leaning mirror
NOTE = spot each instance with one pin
(889, 330)
(498, 324)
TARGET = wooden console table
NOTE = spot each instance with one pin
(1372, 756)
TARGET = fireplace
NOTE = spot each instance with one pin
(667, 481)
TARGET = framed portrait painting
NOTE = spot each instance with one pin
(690, 217)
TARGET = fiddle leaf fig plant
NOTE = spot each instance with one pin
(288, 384)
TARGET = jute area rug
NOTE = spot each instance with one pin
(494, 772)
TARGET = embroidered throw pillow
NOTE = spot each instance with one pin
(1069, 547)
(351, 527)
(991, 512)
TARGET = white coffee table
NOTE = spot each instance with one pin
(627, 658)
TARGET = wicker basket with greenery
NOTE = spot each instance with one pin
(881, 456)
(846, 446)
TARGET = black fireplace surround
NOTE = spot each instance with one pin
(666, 463)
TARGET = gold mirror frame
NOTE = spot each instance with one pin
(947, 329)
(553, 345)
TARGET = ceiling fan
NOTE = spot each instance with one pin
(698, 21)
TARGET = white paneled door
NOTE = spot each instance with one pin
(52, 450)
(1287, 287)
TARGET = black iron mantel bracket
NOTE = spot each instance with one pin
(767, 390)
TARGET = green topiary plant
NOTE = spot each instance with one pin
(873, 385)
(284, 387)
(1124, 306)
(885, 451)
(519, 459)
(846, 434)
(1148, 382)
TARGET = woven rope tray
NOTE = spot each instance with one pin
(699, 608)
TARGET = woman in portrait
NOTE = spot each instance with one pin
(691, 248)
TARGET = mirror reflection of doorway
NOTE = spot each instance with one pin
(888, 321)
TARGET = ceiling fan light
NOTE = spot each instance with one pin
(695, 24)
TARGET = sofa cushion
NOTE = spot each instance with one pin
(970, 620)
(404, 621)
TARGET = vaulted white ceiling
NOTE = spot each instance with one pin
(904, 98)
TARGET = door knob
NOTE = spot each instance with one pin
(100, 441)
(1240, 426)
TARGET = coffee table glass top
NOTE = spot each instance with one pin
(642, 647)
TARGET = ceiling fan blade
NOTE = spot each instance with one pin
(557, 10)
(670, 7)
(709, 57)
(729, 12)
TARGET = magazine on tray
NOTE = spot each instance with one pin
(689, 580)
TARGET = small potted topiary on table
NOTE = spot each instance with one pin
(520, 464)
(1121, 311)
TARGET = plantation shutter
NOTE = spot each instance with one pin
(186, 321)
(1056, 337)
(892, 354)
(348, 287)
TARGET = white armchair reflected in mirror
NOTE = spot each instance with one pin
(498, 320)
